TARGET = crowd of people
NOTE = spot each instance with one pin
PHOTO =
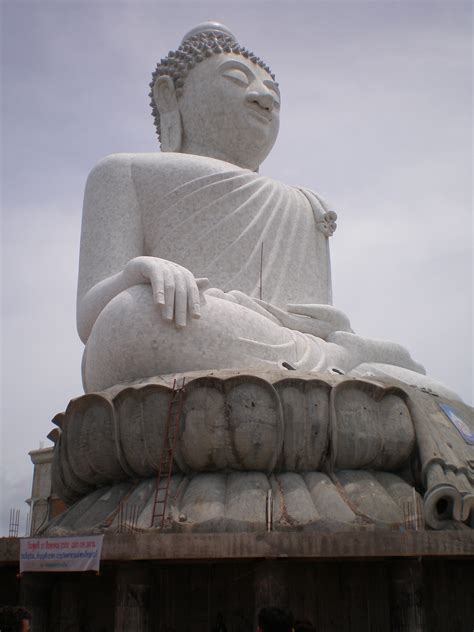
(17, 619)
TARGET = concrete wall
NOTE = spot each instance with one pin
(401, 595)
(44, 504)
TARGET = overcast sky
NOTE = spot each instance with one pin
(376, 117)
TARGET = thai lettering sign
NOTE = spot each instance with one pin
(466, 433)
(60, 554)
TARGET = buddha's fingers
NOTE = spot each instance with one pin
(287, 320)
(194, 303)
(282, 316)
(331, 315)
(203, 284)
(180, 299)
(169, 282)
(157, 284)
(298, 322)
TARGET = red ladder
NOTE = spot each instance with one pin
(160, 502)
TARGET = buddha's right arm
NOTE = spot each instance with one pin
(112, 251)
(111, 236)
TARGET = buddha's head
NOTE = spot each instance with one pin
(214, 98)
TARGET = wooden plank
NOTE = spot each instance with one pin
(378, 601)
(34, 596)
(340, 596)
(407, 612)
(333, 614)
(232, 596)
(354, 582)
(448, 594)
(271, 584)
(68, 613)
(133, 599)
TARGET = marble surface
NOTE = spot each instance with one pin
(191, 260)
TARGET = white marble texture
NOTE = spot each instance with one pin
(191, 260)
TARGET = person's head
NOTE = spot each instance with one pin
(14, 619)
(275, 620)
(215, 98)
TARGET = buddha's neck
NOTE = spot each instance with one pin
(197, 149)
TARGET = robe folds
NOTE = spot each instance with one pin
(241, 230)
(262, 245)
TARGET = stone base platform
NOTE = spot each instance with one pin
(220, 547)
(237, 502)
(329, 453)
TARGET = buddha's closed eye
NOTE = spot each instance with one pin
(237, 76)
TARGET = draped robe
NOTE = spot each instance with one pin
(252, 237)
(218, 217)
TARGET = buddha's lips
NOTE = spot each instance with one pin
(260, 112)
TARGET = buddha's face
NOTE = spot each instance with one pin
(230, 110)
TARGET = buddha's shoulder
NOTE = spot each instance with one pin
(158, 165)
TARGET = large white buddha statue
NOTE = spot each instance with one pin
(194, 265)
(191, 260)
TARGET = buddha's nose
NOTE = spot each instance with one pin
(261, 98)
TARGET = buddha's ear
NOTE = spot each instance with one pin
(171, 131)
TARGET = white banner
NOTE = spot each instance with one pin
(60, 554)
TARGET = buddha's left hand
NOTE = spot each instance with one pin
(317, 320)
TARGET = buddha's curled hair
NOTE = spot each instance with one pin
(194, 49)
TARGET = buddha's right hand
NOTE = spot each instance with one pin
(174, 288)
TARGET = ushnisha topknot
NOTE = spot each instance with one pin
(209, 38)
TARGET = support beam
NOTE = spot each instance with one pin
(133, 601)
(406, 596)
(35, 592)
(302, 546)
(271, 586)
